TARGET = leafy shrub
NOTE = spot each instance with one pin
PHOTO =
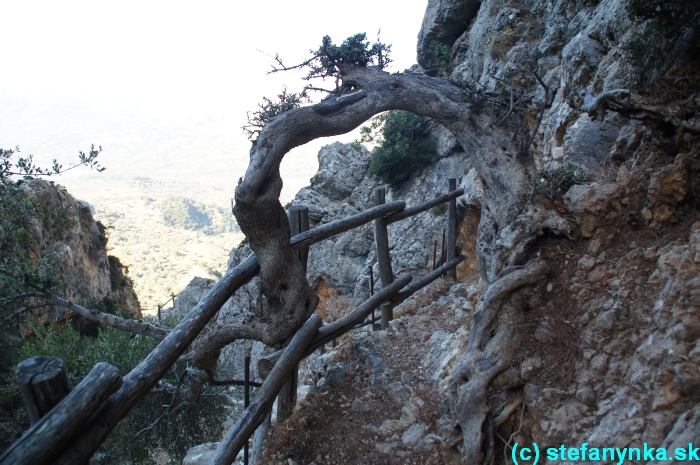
(499, 44)
(130, 442)
(442, 63)
(268, 109)
(404, 146)
(356, 50)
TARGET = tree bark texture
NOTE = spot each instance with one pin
(43, 383)
(487, 356)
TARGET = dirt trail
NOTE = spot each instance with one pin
(377, 401)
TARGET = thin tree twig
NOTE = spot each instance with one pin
(24, 309)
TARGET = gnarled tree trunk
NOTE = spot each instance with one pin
(509, 223)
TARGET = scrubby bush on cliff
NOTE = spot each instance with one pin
(404, 146)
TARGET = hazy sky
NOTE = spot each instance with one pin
(106, 71)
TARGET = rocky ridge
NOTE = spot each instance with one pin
(78, 245)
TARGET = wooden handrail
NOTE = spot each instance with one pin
(425, 280)
(255, 414)
(45, 438)
(341, 326)
(412, 211)
(141, 379)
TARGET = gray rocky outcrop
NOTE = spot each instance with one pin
(444, 21)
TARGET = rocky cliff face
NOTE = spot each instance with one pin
(610, 348)
(78, 245)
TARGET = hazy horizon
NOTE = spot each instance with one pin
(164, 87)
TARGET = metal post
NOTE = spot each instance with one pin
(246, 400)
(158, 314)
(371, 293)
(434, 254)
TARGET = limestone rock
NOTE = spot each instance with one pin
(591, 203)
(201, 454)
(670, 184)
(341, 167)
(445, 21)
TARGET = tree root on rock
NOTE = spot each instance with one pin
(487, 355)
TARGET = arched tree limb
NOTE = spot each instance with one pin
(364, 93)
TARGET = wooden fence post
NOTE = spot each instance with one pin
(381, 237)
(43, 383)
(298, 223)
(451, 228)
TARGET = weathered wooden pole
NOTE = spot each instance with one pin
(381, 237)
(451, 228)
(298, 223)
(43, 383)
(255, 414)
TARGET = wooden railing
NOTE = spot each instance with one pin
(76, 426)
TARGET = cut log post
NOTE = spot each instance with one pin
(381, 237)
(255, 414)
(45, 438)
(298, 223)
(451, 228)
(43, 383)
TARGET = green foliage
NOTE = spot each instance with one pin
(268, 109)
(174, 434)
(442, 63)
(243, 243)
(328, 61)
(558, 181)
(186, 213)
(25, 166)
(403, 146)
(356, 50)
